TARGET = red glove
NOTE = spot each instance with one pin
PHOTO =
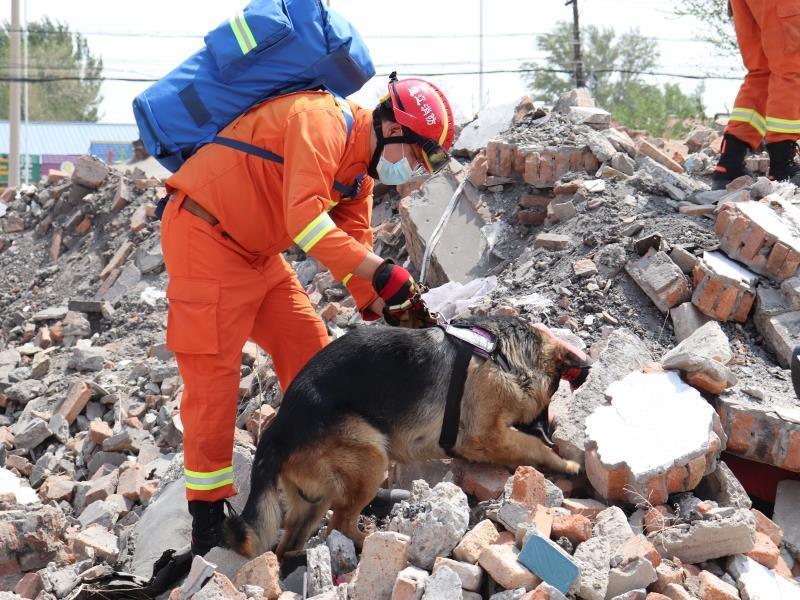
(394, 284)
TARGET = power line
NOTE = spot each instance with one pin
(432, 74)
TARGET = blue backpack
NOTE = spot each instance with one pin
(270, 48)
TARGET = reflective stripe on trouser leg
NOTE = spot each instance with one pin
(211, 480)
(751, 117)
(776, 125)
(314, 232)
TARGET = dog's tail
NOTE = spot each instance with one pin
(256, 530)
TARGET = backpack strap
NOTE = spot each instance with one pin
(347, 191)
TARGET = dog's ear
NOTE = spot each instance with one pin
(574, 364)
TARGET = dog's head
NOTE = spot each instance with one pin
(568, 362)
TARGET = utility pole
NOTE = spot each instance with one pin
(480, 55)
(13, 103)
(580, 81)
(25, 98)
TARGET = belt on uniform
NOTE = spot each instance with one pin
(197, 210)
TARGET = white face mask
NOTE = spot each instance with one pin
(394, 173)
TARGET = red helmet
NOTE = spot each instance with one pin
(424, 112)
(423, 108)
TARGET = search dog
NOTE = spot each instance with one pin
(377, 395)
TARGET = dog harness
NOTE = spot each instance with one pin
(469, 342)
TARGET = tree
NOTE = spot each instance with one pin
(54, 51)
(717, 24)
(614, 67)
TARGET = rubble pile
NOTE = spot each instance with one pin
(688, 301)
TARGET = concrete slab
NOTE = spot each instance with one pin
(787, 513)
(462, 252)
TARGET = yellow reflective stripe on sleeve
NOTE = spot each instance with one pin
(783, 125)
(210, 480)
(347, 278)
(314, 232)
(242, 32)
(751, 117)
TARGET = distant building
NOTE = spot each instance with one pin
(57, 145)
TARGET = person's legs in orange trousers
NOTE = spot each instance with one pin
(747, 125)
(219, 296)
(748, 120)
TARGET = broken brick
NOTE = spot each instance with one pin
(576, 528)
(552, 241)
(659, 278)
(762, 235)
(528, 487)
(645, 148)
(484, 481)
(723, 289)
(73, 404)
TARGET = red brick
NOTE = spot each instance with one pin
(77, 397)
(584, 267)
(656, 490)
(768, 527)
(726, 303)
(119, 258)
(529, 487)
(657, 518)
(260, 419)
(567, 187)
(475, 540)
(724, 219)
(483, 481)
(58, 488)
(696, 468)
(532, 216)
(609, 483)
(697, 210)
(543, 518)
(713, 588)
(776, 258)
(478, 171)
(765, 551)
(139, 218)
(790, 265)
(676, 477)
(753, 241)
(29, 586)
(740, 432)
(576, 528)
(331, 311)
(656, 596)
(131, 481)
(84, 226)
(792, 461)
(745, 305)
(706, 293)
(646, 148)
(99, 431)
(586, 507)
(736, 234)
(506, 160)
(493, 157)
(534, 200)
(640, 546)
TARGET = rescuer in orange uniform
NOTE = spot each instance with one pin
(768, 104)
(232, 214)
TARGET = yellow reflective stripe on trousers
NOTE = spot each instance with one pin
(314, 232)
(242, 32)
(347, 278)
(751, 117)
(783, 125)
(210, 480)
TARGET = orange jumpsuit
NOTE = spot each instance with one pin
(229, 282)
(768, 103)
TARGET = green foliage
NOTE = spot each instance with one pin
(614, 66)
(54, 51)
(717, 26)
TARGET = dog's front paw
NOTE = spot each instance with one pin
(571, 467)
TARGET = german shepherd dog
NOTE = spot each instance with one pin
(377, 395)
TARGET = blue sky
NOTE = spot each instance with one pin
(148, 37)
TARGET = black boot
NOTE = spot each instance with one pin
(782, 163)
(207, 519)
(731, 162)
